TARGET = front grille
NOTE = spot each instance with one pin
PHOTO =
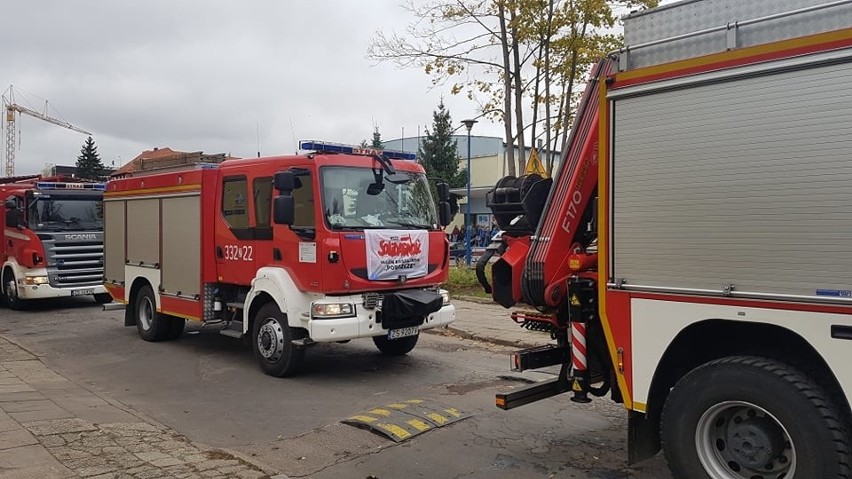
(74, 263)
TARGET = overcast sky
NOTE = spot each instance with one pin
(208, 75)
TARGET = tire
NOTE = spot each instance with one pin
(272, 342)
(744, 417)
(176, 326)
(151, 325)
(395, 347)
(10, 292)
(103, 298)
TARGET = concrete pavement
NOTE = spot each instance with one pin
(51, 427)
(484, 320)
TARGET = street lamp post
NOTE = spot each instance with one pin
(469, 222)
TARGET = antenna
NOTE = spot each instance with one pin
(293, 132)
(257, 126)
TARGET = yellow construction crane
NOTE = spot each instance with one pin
(12, 112)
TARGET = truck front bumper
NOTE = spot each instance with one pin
(364, 323)
(42, 291)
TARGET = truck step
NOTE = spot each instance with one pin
(234, 330)
(231, 333)
(539, 357)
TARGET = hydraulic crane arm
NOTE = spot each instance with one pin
(545, 238)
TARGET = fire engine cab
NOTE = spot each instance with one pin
(337, 244)
(52, 240)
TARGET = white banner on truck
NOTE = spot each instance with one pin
(395, 253)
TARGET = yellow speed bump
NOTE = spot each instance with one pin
(405, 419)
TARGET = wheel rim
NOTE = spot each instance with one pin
(146, 313)
(11, 289)
(739, 440)
(270, 340)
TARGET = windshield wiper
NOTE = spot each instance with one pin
(410, 224)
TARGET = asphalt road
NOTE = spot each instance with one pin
(208, 387)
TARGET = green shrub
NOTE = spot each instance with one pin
(462, 281)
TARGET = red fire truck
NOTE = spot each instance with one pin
(52, 240)
(691, 257)
(338, 244)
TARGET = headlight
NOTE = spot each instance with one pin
(332, 310)
(31, 280)
(445, 295)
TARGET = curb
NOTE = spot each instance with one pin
(474, 299)
(500, 342)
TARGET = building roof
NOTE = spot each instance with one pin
(164, 159)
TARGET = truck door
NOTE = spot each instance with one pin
(236, 240)
(298, 248)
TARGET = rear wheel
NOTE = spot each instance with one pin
(273, 342)
(103, 298)
(748, 417)
(176, 326)
(10, 291)
(395, 347)
(151, 325)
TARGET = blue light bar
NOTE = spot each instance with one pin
(326, 147)
(50, 185)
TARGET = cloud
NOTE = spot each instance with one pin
(214, 75)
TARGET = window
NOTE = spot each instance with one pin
(65, 212)
(235, 202)
(357, 198)
(303, 197)
(262, 201)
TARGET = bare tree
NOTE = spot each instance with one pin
(510, 57)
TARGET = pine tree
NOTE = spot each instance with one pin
(89, 164)
(377, 139)
(439, 152)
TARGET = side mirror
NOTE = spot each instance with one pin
(443, 192)
(283, 208)
(444, 214)
(285, 181)
(375, 188)
(13, 217)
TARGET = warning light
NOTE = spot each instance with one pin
(50, 185)
(326, 147)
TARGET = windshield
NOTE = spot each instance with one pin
(63, 214)
(353, 198)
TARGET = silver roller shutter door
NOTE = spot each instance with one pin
(744, 182)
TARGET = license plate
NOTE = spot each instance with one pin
(403, 332)
(82, 292)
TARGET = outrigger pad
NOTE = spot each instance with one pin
(411, 303)
(406, 419)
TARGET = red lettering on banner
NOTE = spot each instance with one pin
(402, 247)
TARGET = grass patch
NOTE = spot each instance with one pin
(462, 282)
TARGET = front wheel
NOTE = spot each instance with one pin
(10, 292)
(395, 347)
(273, 342)
(747, 417)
